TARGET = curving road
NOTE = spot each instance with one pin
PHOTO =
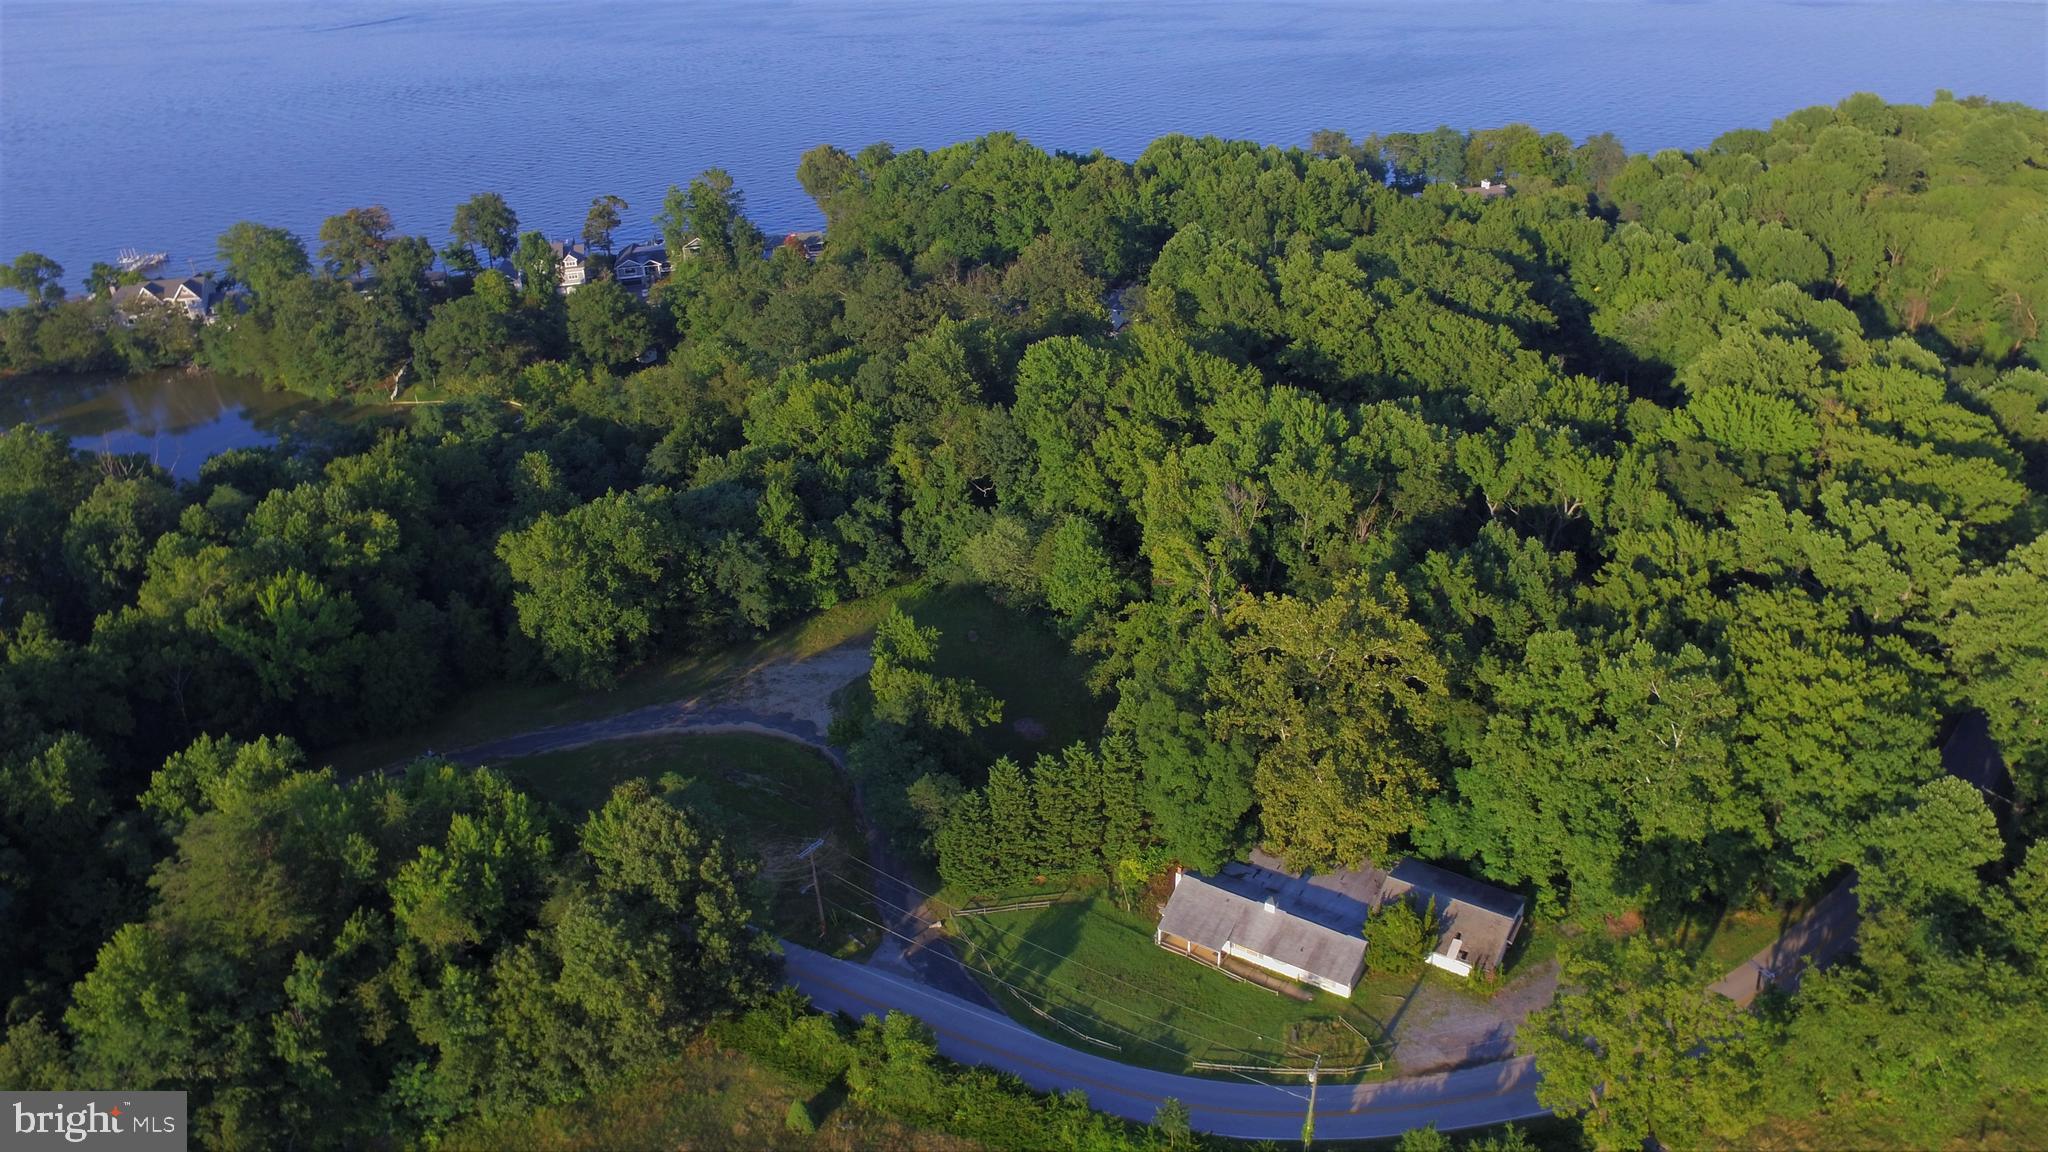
(788, 700)
(971, 1034)
(929, 982)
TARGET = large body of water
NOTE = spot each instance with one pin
(155, 125)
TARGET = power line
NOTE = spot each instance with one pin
(1245, 1028)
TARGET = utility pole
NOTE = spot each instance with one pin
(810, 853)
(1308, 1126)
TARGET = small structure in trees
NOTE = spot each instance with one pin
(195, 295)
(1476, 922)
(575, 258)
(810, 244)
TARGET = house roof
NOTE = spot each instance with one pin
(1202, 913)
(1448, 886)
(570, 250)
(643, 251)
(1479, 916)
(165, 288)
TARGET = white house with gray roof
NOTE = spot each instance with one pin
(575, 258)
(1476, 922)
(1208, 922)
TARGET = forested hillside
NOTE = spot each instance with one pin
(1632, 537)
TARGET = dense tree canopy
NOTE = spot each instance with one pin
(1631, 538)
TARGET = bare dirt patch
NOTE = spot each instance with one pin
(801, 689)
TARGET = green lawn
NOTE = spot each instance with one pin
(1094, 969)
(1723, 942)
(768, 797)
(1043, 685)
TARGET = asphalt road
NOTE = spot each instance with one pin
(928, 981)
(1828, 931)
(970, 1034)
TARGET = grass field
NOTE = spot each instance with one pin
(1722, 941)
(705, 1098)
(1042, 683)
(769, 797)
(1094, 969)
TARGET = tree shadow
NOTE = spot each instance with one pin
(827, 1101)
(1392, 1024)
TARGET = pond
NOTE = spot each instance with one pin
(176, 418)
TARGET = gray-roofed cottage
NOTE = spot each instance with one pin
(1208, 923)
(1476, 922)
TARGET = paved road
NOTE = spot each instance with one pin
(1828, 930)
(970, 1034)
(1825, 934)
(927, 980)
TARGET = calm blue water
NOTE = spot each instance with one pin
(176, 419)
(156, 124)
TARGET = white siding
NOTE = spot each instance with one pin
(1450, 964)
(1286, 969)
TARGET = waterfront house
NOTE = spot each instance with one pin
(639, 265)
(575, 258)
(197, 295)
(508, 270)
(1487, 190)
(1215, 925)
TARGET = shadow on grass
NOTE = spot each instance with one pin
(827, 1101)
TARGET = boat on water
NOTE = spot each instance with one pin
(130, 260)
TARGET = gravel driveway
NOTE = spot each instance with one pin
(1441, 1028)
